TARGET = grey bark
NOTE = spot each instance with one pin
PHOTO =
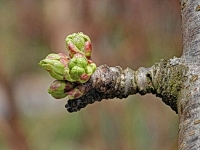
(176, 81)
(188, 101)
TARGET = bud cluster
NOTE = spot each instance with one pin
(70, 70)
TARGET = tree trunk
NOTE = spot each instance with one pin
(188, 102)
(175, 80)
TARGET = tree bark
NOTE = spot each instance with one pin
(164, 79)
(176, 81)
(188, 102)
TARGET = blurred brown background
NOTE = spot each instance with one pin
(124, 32)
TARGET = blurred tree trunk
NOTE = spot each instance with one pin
(10, 125)
(10, 122)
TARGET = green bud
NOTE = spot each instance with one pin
(77, 92)
(79, 41)
(76, 72)
(68, 71)
(68, 75)
(55, 64)
(76, 43)
(90, 69)
(57, 89)
(78, 60)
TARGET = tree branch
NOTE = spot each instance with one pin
(164, 79)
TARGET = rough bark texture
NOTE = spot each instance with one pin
(164, 79)
(188, 102)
